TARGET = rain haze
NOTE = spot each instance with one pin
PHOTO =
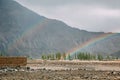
(90, 15)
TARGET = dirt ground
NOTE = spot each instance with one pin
(66, 70)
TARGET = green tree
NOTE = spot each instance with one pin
(1, 53)
(64, 56)
(75, 57)
(52, 57)
(108, 57)
(58, 56)
(93, 57)
(85, 56)
(100, 57)
(69, 57)
(43, 57)
(81, 56)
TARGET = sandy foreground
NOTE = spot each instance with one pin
(66, 70)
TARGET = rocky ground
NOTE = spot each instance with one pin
(50, 70)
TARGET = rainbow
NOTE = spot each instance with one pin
(28, 30)
(39, 25)
(89, 43)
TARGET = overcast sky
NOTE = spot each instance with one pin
(91, 15)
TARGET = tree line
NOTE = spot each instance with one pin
(78, 56)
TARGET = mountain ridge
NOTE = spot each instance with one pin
(25, 33)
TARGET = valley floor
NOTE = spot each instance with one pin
(66, 70)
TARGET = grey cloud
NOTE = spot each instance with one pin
(91, 15)
(109, 3)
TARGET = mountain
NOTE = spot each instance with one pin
(116, 54)
(25, 33)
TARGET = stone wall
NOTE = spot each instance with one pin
(13, 61)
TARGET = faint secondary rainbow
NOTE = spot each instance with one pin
(89, 43)
(27, 32)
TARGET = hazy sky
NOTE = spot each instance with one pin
(91, 15)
